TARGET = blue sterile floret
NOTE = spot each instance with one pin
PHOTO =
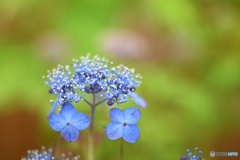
(69, 122)
(95, 75)
(54, 108)
(192, 157)
(139, 100)
(46, 155)
(123, 124)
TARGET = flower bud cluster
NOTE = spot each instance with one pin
(44, 155)
(95, 75)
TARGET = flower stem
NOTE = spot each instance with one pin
(92, 114)
(56, 142)
(90, 137)
(91, 126)
(87, 102)
(118, 105)
(121, 149)
(90, 147)
(92, 119)
(103, 100)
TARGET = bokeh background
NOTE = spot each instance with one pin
(188, 53)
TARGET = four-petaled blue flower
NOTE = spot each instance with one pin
(124, 124)
(69, 122)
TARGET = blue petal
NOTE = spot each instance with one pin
(53, 110)
(57, 122)
(116, 115)
(70, 133)
(80, 121)
(68, 111)
(139, 100)
(132, 115)
(131, 133)
(114, 130)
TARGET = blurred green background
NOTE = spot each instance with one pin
(187, 52)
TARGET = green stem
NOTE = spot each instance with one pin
(90, 147)
(103, 100)
(93, 105)
(121, 149)
(56, 142)
(118, 105)
(90, 137)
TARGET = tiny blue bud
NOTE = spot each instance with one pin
(92, 87)
(76, 98)
(132, 89)
(99, 88)
(70, 96)
(87, 89)
(110, 102)
(61, 101)
(50, 91)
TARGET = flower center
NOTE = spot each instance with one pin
(124, 124)
(68, 123)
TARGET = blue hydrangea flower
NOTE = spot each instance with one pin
(139, 100)
(123, 124)
(192, 157)
(69, 122)
(46, 155)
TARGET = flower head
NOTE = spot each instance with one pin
(190, 156)
(69, 122)
(92, 76)
(44, 155)
(123, 124)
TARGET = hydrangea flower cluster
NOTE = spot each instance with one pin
(97, 75)
(92, 76)
(44, 155)
(192, 157)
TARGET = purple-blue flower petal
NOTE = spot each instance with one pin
(70, 133)
(68, 111)
(117, 115)
(114, 131)
(80, 121)
(139, 100)
(53, 110)
(131, 133)
(132, 115)
(57, 122)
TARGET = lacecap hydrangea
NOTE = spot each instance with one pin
(47, 155)
(192, 157)
(115, 85)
